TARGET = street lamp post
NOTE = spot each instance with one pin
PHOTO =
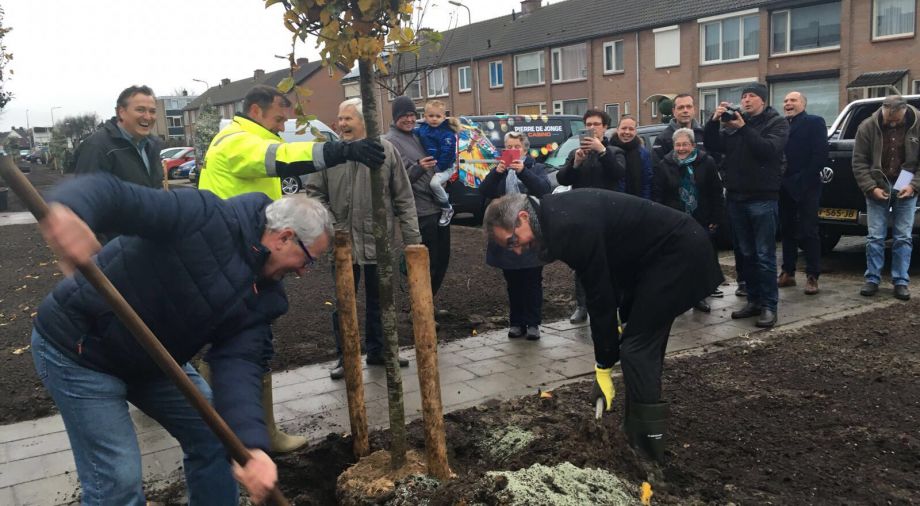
(29, 131)
(469, 18)
(55, 166)
(202, 81)
(52, 114)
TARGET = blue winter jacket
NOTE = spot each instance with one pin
(189, 264)
(439, 142)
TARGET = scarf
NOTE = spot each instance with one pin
(689, 193)
(511, 182)
(633, 163)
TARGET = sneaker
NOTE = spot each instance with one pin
(446, 215)
(868, 289)
(515, 332)
(742, 289)
(901, 292)
(337, 372)
(717, 294)
(533, 333)
(378, 360)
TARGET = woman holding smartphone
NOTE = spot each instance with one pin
(517, 172)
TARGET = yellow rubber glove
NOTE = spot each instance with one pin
(603, 386)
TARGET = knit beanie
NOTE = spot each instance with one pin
(402, 105)
(757, 89)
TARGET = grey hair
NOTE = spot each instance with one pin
(518, 135)
(684, 131)
(357, 104)
(503, 213)
(306, 216)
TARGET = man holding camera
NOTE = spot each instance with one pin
(752, 138)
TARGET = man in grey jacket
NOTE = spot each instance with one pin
(346, 190)
(887, 144)
(420, 167)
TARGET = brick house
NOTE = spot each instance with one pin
(626, 56)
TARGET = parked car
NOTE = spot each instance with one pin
(293, 184)
(183, 170)
(546, 132)
(193, 175)
(842, 208)
(176, 158)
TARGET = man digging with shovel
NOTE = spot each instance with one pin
(646, 261)
(197, 270)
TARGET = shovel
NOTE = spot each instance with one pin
(37, 206)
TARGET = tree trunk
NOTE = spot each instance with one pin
(385, 275)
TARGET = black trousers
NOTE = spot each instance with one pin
(581, 298)
(525, 295)
(642, 360)
(799, 222)
(437, 240)
(373, 327)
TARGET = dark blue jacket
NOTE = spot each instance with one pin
(189, 264)
(806, 155)
(440, 143)
(531, 181)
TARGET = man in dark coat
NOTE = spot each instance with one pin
(125, 146)
(800, 193)
(752, 143)
(641, 260)
(197, 270)
(684, 117)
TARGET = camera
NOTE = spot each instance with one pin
(729, 113)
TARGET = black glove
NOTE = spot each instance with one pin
(366, 151)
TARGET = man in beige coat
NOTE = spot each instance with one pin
(346, 190)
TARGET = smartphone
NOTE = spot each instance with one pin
(584, 134)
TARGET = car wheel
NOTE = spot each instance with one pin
(829, 240)
(290, 185)
(174, 173)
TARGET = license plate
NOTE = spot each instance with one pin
(831, 213)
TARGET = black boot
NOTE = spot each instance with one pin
(645, 427)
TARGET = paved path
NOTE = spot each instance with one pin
(19, 218)
(36, 465)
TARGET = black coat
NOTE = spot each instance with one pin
(605, 171)
(806, 155)
(753, 155)
(650, 261)
(664, 142)
(666, 189)
(108, 151)
(532, 181)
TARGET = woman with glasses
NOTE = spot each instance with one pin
(524, 273)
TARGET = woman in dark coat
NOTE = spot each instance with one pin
(643, 260)
(639, 171)
(523, 273)
(687, 180)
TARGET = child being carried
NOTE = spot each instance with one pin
(438, 136)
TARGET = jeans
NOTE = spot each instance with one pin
(373, 327)
(902, 224)
(437, 240)
(754, 231)
(438, 180)
(799, 221)
(94, 406)
(525, 296)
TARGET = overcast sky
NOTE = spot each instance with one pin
(78, 55)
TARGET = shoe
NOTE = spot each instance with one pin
(868, 289)
(742, 289)
(446, 215)
(750, 309)
(785, 279)
(901, 292)
(515, 332)
(279, 442)
(337, 372)
(767, 319)
(702, 306)
(645, 427)
(579, 316)
(717, 294)
(379, 360)
(811, 286)
(533, 333)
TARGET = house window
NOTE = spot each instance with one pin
(613, 56)
(174, 121)
(528, 69)
(822, 94)
(496, 74)
(464, 80)
(534, 109)
(438, 82)
(804, 28)
(915, 87)
(392, 88)
(579, 107)
(352, 90)
(732, 38)
(667, 46)
(413, 86)
(711, 97)
(614, 111)
(570, 63)
(653, 105)
(893, 18)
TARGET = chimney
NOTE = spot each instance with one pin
(225, 81)
(302, 61)
(258, 73)
(528, 6)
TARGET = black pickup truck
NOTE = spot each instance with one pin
(843, 205)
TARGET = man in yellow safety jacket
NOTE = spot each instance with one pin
(249, 156)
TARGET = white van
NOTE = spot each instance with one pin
(292, 185)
